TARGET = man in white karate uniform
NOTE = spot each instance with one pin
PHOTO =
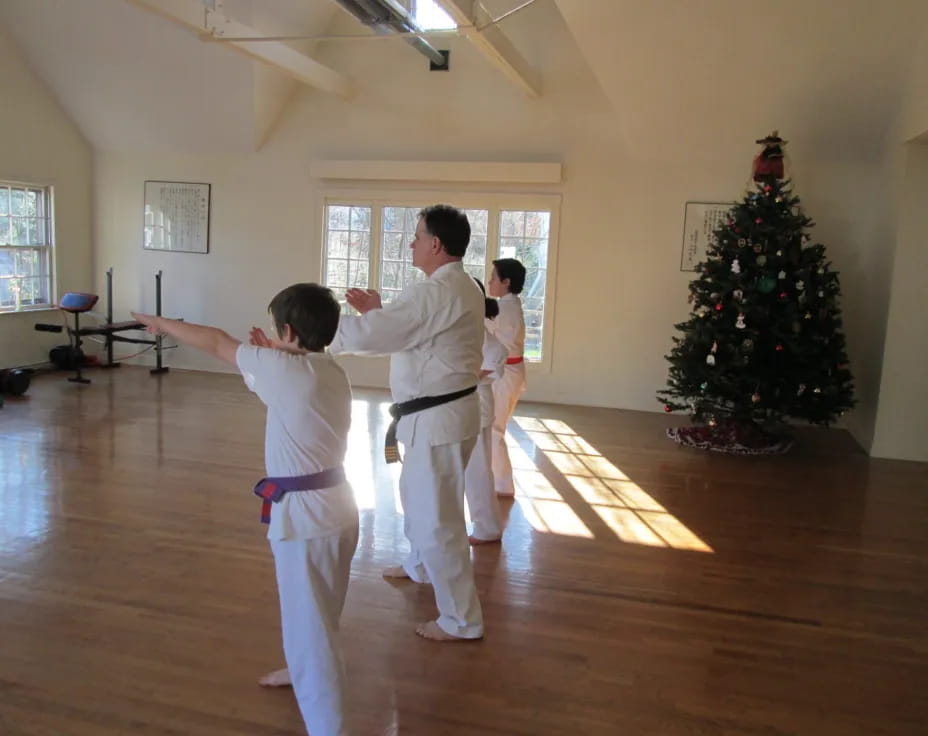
(434, 333)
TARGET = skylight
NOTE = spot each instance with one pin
(430, 16)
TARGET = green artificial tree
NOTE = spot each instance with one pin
(763, 343)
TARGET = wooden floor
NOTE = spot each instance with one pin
(640, 588)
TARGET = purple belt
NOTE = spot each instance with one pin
(271, 490)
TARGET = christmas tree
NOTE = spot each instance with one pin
(764, 342)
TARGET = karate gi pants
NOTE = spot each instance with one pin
(432, 493)
(480, 490)
(506, 392)
(312, 579)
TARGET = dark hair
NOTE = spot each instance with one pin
(490, 306)
(510, 268)
(311, 311)
(450, 226)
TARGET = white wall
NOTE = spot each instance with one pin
(913, 117)
(39, 144)
(619, 290)
(902, 422)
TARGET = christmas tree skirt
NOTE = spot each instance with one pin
(734, 438)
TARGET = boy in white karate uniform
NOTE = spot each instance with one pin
(478, 476)
(505, 284)
(310, 507)
(434, 335)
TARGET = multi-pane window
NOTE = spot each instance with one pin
(475, 260)
(367, 245)
(396, 269)
(525, 236)
(348, 249)
(25, 247)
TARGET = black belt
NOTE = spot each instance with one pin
(391, 450)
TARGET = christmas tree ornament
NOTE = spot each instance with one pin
(761, 260)
(713, 423)
(766, 284)
(780, 253)
(800, 285)
(816, 390)
(739, 323)
(768, 188)
(821, 293)
(667, 408)
(808, 315)
(742, 242)
(802, 389)
(703, 385)
(821, 271)
(783, 295)
(781, 275)
(768, 165)
(755, 398)
(780, 348)
(718, 307)
(758, 220)
(758, 247)
(738, 295)
(715, 347)
(735, 266)
(710, 359)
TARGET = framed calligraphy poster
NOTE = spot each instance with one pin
(700, 221)
(176, 216)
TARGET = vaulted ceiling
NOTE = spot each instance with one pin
(705, 72)
(682, 76)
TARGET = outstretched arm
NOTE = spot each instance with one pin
(211, 340)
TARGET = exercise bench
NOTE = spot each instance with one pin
(77, 303)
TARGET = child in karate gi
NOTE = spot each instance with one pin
(506, 284)
(478, 475)
(310, 507)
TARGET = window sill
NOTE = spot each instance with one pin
(30, 310)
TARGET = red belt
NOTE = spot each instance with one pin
(514, 361)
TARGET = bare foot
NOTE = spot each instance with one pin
(398, 572)
(277, 678)
(433, 632)
(477, 540)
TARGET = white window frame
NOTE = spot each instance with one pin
(49, 271)
(377, 199)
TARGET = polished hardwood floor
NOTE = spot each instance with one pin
(640, 588)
